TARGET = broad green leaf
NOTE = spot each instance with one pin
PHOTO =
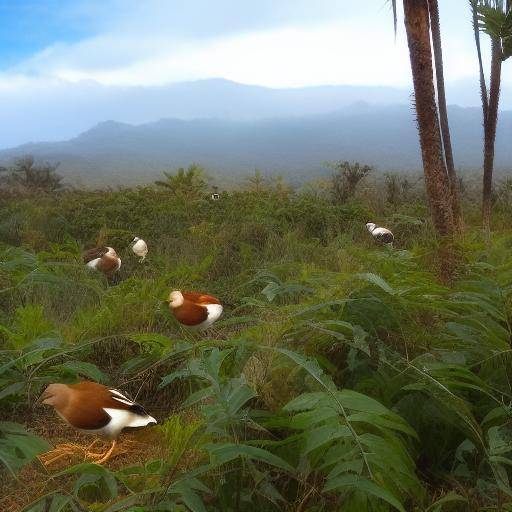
(82, 368)
(239, 398)
(451, 497)
(13, 389)
(225, 452)
(18, 447)
(325, 434)
(377, 281)
(355, 482)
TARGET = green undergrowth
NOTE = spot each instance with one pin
(342, 375)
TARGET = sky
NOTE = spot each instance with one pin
(50, 47)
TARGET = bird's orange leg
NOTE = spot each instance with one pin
(108, 454)
(91, 455)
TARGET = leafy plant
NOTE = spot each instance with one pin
(18, 447)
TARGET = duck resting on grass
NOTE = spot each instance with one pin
(140, 248)
(381, 235)
(194, 309)
(103, 259)
(95, 409)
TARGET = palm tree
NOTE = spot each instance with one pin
(186, 184)
(443, 113)
(417, 25)
(494, 17)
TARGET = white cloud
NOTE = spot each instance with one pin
(344, 51)
(287, 57)
(289, 43)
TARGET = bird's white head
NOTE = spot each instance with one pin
(135, 240)
(176, 299)
(370, 226)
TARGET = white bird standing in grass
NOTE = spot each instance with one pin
(381, 235)
(140, 248)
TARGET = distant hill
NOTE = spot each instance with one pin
(380, 135)
(67, 109)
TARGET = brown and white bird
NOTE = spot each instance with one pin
(140, 248)
(381, 235)
(104, 259)
(195, 309)
(95, 409)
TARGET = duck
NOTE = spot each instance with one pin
(94, 409)
(193, 309)
(140, 248)
(103, 259)
(381, 235)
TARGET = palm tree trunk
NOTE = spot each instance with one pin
(483, 86)
(443, 115)
(490, 125)
(436, 177)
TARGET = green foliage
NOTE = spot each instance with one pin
(29, 324)
(495, 19)
(345, 178)
(18, 447)
(188, 185)
(342, 376)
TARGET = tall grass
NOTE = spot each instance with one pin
(343, 376)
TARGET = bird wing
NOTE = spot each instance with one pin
(86, 409)
(127, 403)
(190, 313)
(383, 235)
(201, 299)
(108, 265)
(95, 253)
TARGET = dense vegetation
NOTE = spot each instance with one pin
(342, 376)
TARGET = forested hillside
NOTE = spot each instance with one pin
(114, 153)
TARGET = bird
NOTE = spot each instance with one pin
(140, 248)
(104, 259)
(96, 409)
(381, 235)
(194, 309)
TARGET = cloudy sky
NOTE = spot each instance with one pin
(50, 46)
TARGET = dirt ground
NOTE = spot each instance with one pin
(135, 447)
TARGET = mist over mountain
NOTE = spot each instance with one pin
(63, 110)
(57, 111)
(296, 147)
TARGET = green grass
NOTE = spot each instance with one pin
(343, 375)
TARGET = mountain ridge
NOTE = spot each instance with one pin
(384, 136)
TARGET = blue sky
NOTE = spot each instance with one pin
(284, 43)
(55, 53)
(29, 26)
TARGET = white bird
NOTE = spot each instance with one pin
(381, 235)
(140, 248)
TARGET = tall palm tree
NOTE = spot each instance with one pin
(494, 17)
(443, 114)
(417, 25)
